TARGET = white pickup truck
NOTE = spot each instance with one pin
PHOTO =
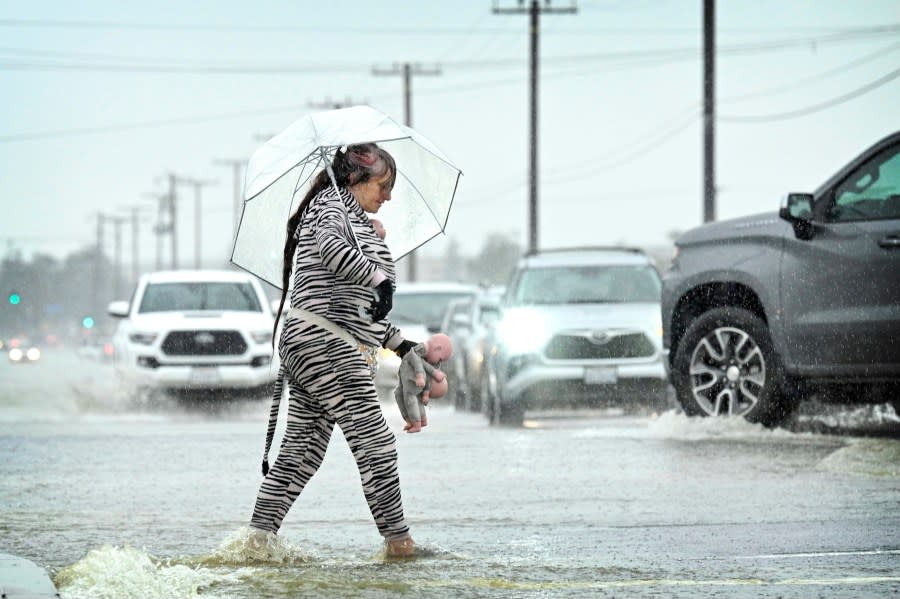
(195, 330)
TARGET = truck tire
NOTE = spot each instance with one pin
(726, 365)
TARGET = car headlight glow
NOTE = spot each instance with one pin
(143, 338)
(522, 331)
(33, 354)
(15, 354)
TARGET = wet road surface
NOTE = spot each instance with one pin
(118, 498)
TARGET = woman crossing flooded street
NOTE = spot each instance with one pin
(117, 498)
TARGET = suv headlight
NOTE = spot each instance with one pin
(143, 338)
(523, 332)
(261, 336)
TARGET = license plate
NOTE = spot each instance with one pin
(204, 374)
(600, 375)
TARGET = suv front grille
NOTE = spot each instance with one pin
(581, 347)
(204, 343)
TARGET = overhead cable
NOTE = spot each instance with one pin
(792, 114)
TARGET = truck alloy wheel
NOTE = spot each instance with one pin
(725, 365)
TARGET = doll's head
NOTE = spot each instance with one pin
(438, 348)
(438, 388)
(379, 227)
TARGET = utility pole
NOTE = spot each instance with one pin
(98, 259)
(160, 228)
(407, 70)
(198, 215)
(236, 165)
(135, 217)
(173, 220)
(709, 110)
(117, 222)
(534, 11)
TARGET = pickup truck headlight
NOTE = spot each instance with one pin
(143, 338)
(261, 336)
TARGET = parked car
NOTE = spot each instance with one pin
(418, 310)
(578, 327)
(195, 329)
(23, 350)
(468, 323)
(760, 311)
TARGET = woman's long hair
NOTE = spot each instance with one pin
(357, 164)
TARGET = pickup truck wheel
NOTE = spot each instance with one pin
(726, 365)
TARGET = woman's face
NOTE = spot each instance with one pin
(373, 193)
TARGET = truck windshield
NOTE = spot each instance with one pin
(586, 285)
(167, 297)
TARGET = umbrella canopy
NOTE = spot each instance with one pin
(282, 170)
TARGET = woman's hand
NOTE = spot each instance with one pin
(404, 347)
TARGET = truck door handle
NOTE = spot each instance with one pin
(890, 241)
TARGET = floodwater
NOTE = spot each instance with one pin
(123, 499)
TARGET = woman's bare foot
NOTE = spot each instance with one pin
(404, 547)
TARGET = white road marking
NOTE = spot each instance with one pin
(821, 554)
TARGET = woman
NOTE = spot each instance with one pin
(342, 292)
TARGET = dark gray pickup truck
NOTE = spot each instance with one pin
(760, 311)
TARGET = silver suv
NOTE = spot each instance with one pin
(578, 327)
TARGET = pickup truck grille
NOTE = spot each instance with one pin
(583, 347)
(204, 343)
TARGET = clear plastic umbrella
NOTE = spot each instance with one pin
(281, 171)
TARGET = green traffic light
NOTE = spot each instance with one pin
(87, 322)
(15, 299)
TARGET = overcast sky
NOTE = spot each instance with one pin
(101, 99)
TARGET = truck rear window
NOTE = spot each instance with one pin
(168, 297)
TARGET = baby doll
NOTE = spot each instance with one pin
(414, 388)
(379, 227)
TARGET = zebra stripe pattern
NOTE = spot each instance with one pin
(328, 381)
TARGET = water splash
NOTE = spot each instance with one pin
(126, 573)
(868, 457)
(678, 426)
(252, 546)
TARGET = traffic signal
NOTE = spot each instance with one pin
(87, 322)
(15, 299)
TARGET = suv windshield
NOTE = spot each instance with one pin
(165, 297)
(426, 308)
(586, 285)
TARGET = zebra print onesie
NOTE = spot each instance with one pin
(328, 380)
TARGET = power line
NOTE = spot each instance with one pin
(203, 67)
(190, 120)
(423, 31)
(802, 81)
(143, 125)
(815, 107)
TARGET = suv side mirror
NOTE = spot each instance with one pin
(118, 309)
(796, 208)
